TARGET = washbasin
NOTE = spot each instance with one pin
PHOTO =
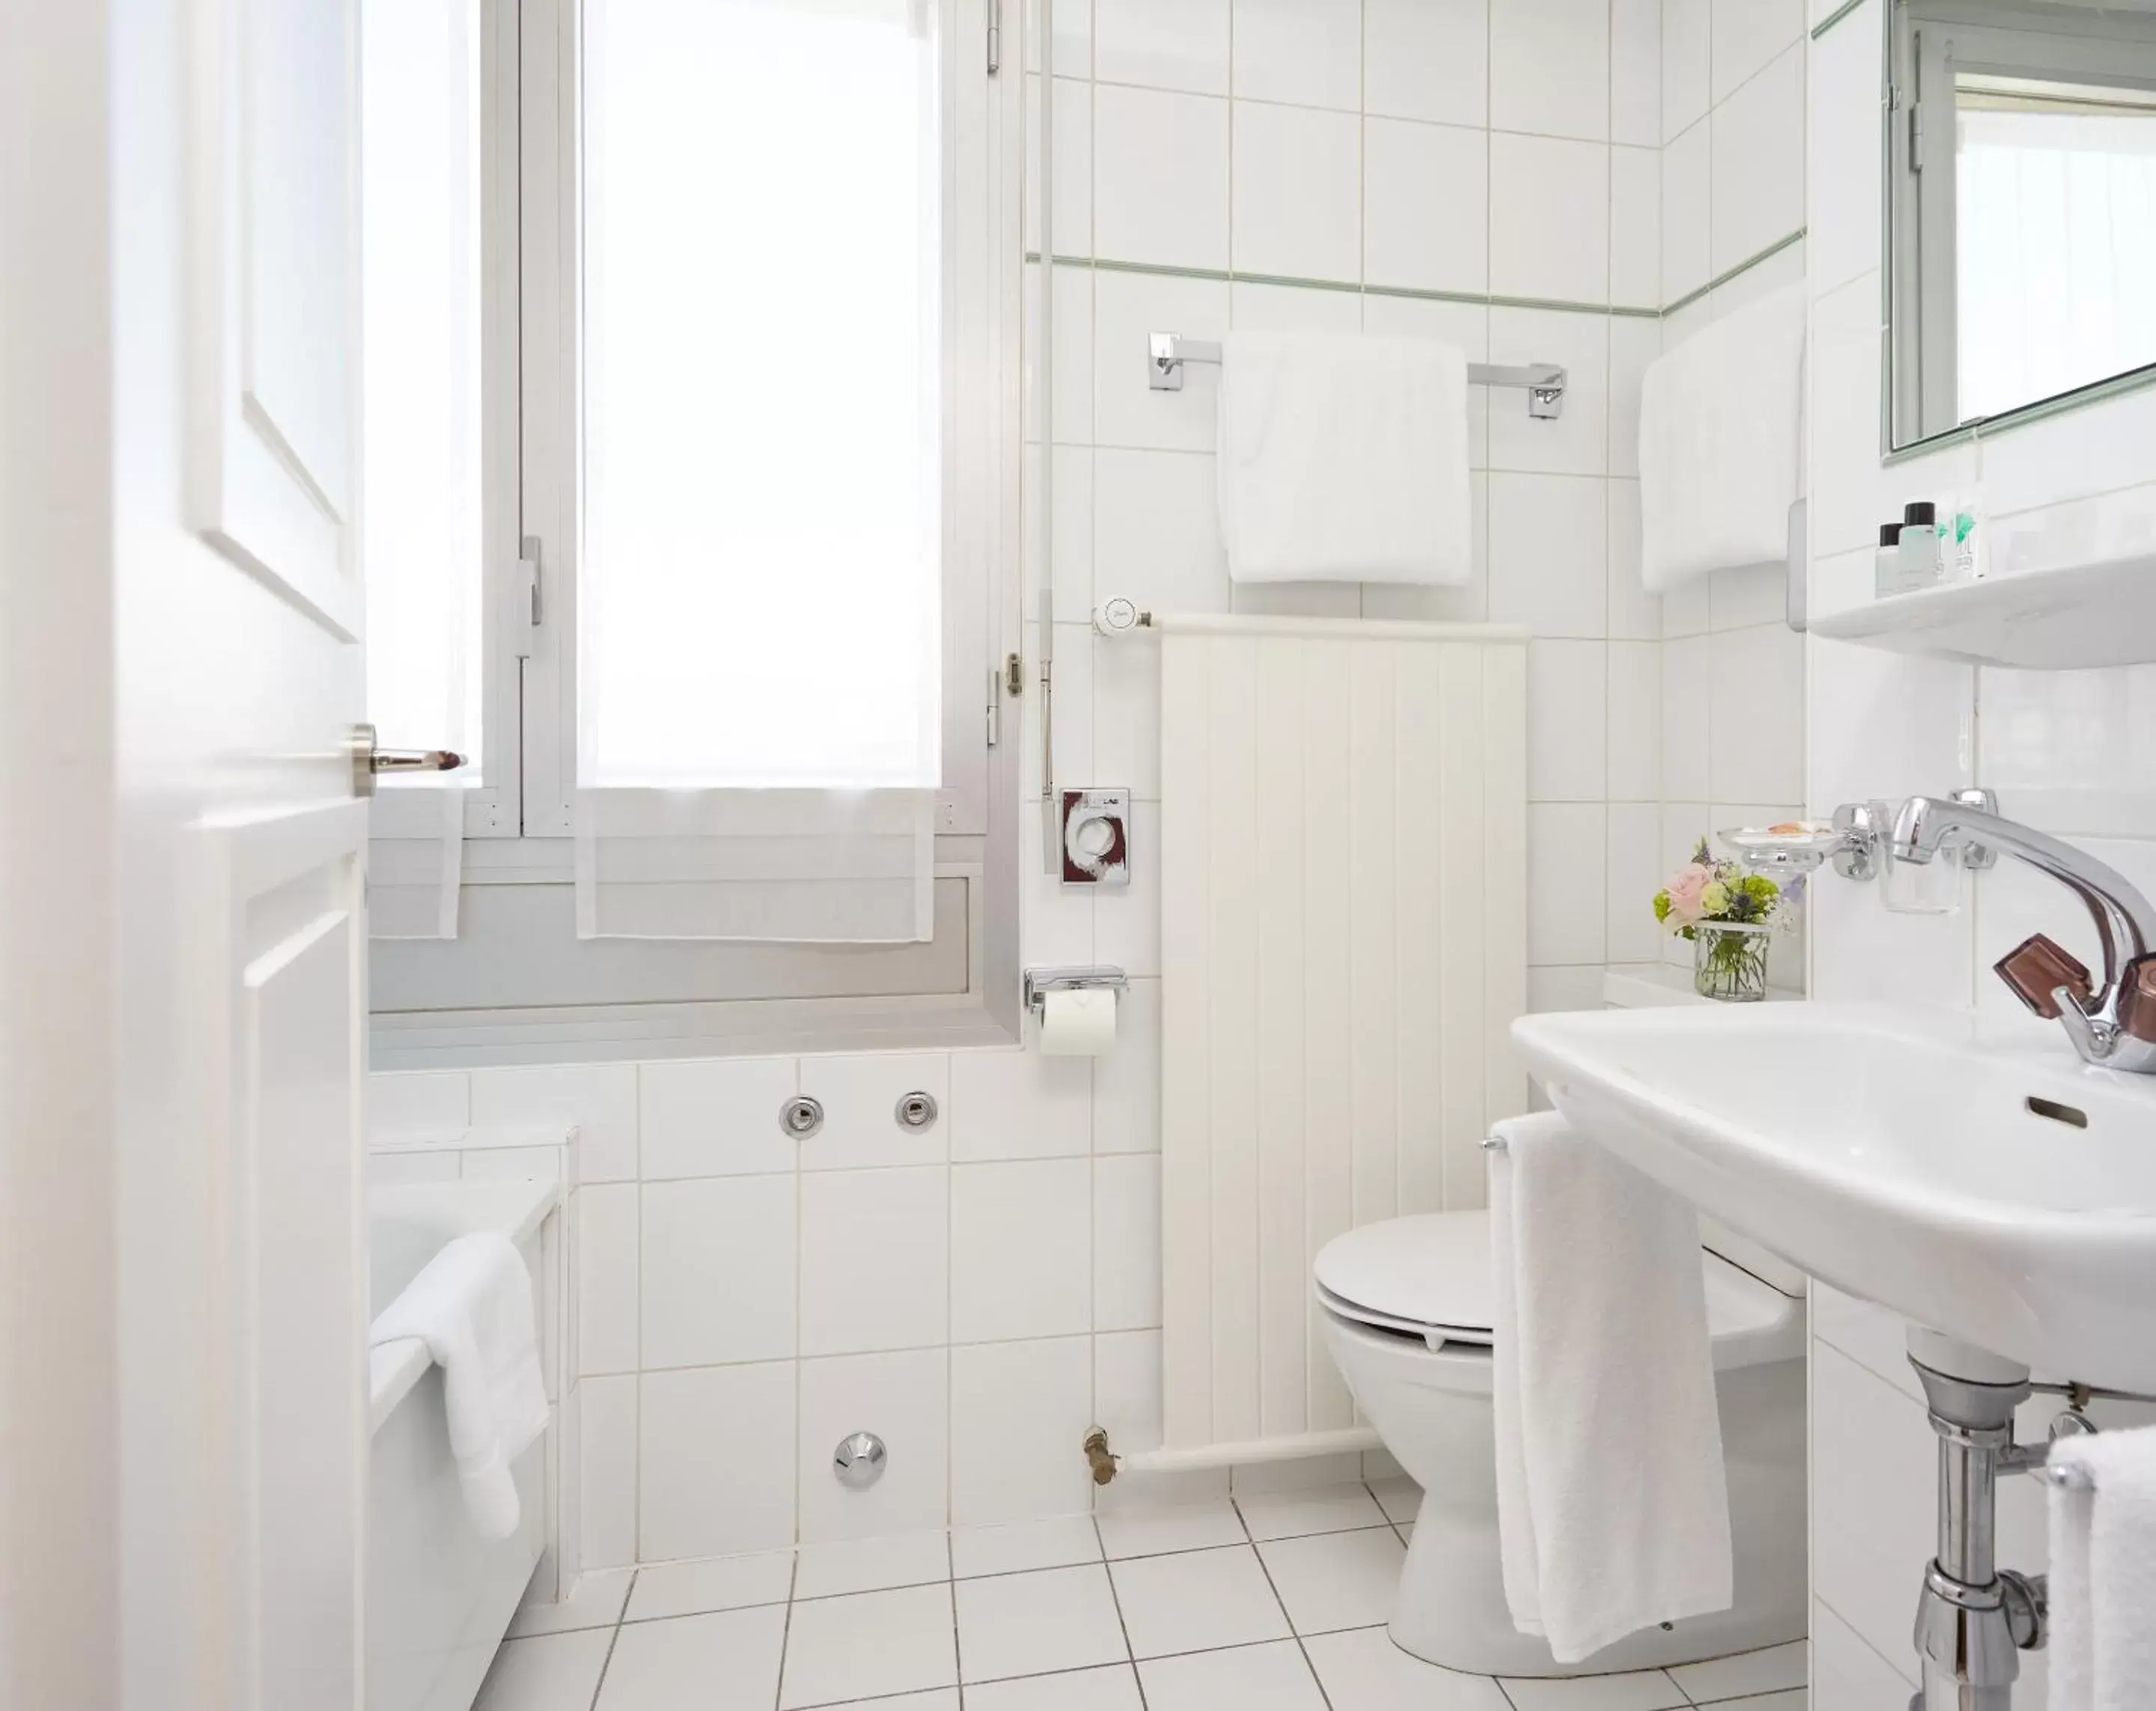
(1973, 1176)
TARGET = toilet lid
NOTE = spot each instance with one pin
(1430, 1269)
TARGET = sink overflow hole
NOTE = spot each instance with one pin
(2073, 1116)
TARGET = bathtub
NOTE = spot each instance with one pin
(439, 1597)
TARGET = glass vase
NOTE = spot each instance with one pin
(1729, 962)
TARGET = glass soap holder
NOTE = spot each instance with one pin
(1795, 846)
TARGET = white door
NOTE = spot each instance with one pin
(243, 945)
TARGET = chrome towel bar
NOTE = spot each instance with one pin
(1166, 352)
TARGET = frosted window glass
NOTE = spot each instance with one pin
(419, 200)
(759, 584)
(2056, 224)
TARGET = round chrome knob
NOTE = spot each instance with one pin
(801, 1116)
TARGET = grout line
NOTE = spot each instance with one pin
(1116, 1598)
(613, 1639)
(1742, 267)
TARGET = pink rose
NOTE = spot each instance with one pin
(1685, 891)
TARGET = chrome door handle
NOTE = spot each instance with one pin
(367, 760)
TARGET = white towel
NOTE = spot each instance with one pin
(471, 1306)
(2103, 1573)
(1613, 1503)
(1720, 419)
(1344, 459)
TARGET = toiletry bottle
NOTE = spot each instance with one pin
(1917, 552)
(1887, 562)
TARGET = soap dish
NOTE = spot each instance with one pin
(1797, 845)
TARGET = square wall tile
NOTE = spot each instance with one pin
(1127, 718)
(1021, 1260)
(1257, 306)
(1127, 1081)
(1547, 546)
(1758, 193)
(1073, 354)
(1747, 37)
(1635, 873)
(1567, 690)
(1577, 442)
(1070, 23)
(1126, 1388)
(1688, 59)
(605, 1217)
(906, 1401)
(1074, 166)
(1160, 177)
(600, 1098)
(875, 1261)
(1635, 72)
(717, 1447)
(716, 1116)
(1635, 227)
(1127, 1290)
(1844, 175)
(1157, 531)
(1427, 59)
(1687, 246)
(1565, 849)
(1756, 747)
(1008, 1399)
(607, 1470)
(1128, 308)
(1171, 45)
(1549, 218)
(1309, 52)
(1020, 1104)
(402, 1105)
(1072, 547)
(1549, 68)
(860, 1096)
(1297, 191)
(1634, 614)
(1426, 206)
(1634, 342)
(718, 1270)
(1635, 721)
(1687, 718)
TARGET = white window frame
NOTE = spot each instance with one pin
(518, 825)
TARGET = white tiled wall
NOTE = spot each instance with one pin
(2070, 752)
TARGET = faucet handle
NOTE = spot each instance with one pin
(2137, 999)
(2038, 969)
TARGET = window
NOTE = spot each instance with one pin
(693, 330)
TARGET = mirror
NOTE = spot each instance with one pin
(2021, 200)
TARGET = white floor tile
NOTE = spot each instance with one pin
(868, 1645)
(1401, 1499)
(1406, 1530)
(595, 1603)
(552, 1672)
(1058, 1619)
(717, 1582)
(1643, 1690)
(872, 1564)
(1196, 1601)
(1795, 1699)
(1290, 1514)
(1112, 1689)
(1773, 1670)
(1364, 1670)
(727, 1661)
(1154, 1532)
(1024, 1545)
(1336, 1579)
(941, 1699)
(1272, 1678)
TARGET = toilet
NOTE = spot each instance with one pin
(1406, 1311)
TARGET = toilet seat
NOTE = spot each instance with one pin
(1429, 1276)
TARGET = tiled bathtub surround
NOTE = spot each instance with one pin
(2070, 751)
(1265, 1604)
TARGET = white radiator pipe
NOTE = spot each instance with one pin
(1348, 1441)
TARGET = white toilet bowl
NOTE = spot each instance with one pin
(1407, 1315)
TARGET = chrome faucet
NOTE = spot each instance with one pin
(2113, 1024)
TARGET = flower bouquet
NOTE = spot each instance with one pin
(1729, 915)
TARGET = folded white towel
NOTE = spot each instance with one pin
(471, 1306)
(1344, 459)
(2103, 1573)
(1720, 424)
(1613, 1503)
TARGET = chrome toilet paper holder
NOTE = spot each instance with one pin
(1040, 981)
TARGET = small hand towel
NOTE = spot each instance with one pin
(2103, 1573)
(1720, 424)
(471, 1306)
(1612, 1503)
(1344, 459)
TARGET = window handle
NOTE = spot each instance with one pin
(527, 609)
(367, 760)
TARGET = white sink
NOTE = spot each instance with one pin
(1897, 1154)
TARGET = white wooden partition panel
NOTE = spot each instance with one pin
(1343, 949)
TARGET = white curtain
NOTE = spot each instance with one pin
(758, 656)
(2056, 229)
(420, 522)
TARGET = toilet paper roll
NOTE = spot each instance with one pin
(1078, 1023)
